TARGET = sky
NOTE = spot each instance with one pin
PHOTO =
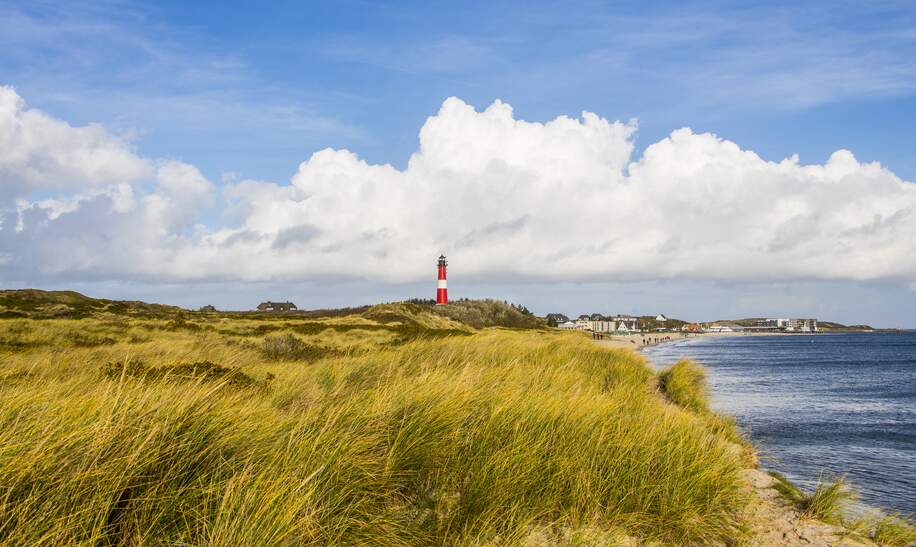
(699, 159)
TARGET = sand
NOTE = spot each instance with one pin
(645, 340)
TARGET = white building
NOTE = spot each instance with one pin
(601, 326)
(661, 318)
(626, 323)
(800, 325)
(568, 325)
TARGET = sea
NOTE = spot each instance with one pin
(820, 405)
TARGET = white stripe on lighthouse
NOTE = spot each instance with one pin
(442, 284)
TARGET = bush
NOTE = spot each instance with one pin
(87, 340)
(200, 371)
(287, 347)
(490, 313)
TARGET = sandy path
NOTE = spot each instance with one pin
(775, 522)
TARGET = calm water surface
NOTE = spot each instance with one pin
(840, 403)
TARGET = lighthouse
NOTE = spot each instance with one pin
(442, 291)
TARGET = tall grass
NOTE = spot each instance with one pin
(829, 500)
(893, 530)
(684, 384)
(497, 437)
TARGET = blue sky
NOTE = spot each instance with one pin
(250, 90)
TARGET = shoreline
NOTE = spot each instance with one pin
(639, 341)
(777, 520)
(774, 520)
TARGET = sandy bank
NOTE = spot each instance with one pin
(775, 522)
(645, 340)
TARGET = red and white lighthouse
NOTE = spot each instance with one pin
(442, 291)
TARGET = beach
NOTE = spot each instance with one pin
(645, 340)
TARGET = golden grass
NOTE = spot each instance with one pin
(420, 431)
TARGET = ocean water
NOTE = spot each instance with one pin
(814, 404)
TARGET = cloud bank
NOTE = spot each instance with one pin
(504, 198)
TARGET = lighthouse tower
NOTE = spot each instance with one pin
(442, 291)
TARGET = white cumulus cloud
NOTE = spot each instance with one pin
(504, 198)
(39, 152)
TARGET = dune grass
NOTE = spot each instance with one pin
(830, 502)
(684, 384)
(893, 530)
(829, 499)
(494, 436)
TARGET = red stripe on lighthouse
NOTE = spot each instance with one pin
(442, 290)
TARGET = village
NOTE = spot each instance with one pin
(627, 324)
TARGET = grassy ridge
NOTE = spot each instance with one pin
(387, 436)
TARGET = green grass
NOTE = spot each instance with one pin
(893, 530)
(396, 425)
(489, 313)
(830, 503)
(684, 383)
(787, 489)
(196, 434)
(829, 500)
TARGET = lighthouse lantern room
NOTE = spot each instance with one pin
(442, 291)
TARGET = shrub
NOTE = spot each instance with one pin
(87, 340)
(181, 323)
(288, 347)
(199, 371)
(490, 313)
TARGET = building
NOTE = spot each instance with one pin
(567, 325)
(276, 306)
(442, 289)
(765, 325)
(556, 319)
(626, 323)
(692, 328)
(785, 325)
(207, 308)
(661, 318)
(725, 327)
(801, 325)
(602, 326)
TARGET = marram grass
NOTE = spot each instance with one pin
(488, 437)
